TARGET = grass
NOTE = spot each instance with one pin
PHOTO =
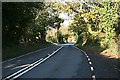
(17, 50)
(111, 52)
(91, 48)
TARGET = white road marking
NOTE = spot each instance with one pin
(83, 51)
(88, 59)
(23, 69)
(91, 68)
(93, 77)
(90, 63)
(87, 56)
(31, 66)
(23, 55)
(20, 66)
(10, 65)
(36, 64)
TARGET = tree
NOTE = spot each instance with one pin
(20, 22)
(16, 17)
(93, 19)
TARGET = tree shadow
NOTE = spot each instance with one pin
(94, 50)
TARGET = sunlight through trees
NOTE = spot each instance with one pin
(90, 22)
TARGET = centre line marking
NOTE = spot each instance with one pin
(26, 69)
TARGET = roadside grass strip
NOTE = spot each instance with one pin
(23, 55)
(31, 66)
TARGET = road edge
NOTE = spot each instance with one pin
(24, 55)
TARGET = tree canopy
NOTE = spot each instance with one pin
(26, 22)
(91, 21)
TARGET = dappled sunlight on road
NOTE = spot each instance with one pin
(9, 66)
(21, 66)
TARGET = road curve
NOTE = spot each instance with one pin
(67, 63)
(16, 64)
(62, 61)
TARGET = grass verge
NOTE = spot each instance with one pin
(112, 52)
(100, 56)
(17, 50)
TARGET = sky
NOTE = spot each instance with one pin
(67, 19)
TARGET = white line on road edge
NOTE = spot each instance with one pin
(24, 70)
(87, 56)
(90, 63)
(93, 77)
(23, 55)
(91, 68)
(88, 59)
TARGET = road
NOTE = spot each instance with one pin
(62, 61)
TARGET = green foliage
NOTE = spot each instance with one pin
(101, 19)
(17, 19)
(26, 22)
(108, 17)
(51, 36)
(96, 22)
(17, 50)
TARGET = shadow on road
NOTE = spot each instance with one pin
(105, 67)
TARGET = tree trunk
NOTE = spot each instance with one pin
(43, 36)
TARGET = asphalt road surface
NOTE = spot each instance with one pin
(62, 61)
